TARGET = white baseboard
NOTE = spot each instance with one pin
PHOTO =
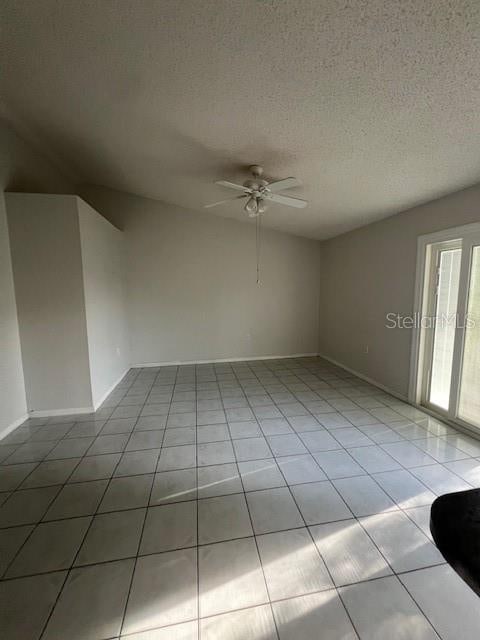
(13, 425)
(46, 413)
(110, 389)
(220, 360)
(375, 383)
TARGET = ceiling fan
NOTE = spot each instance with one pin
(258, 192)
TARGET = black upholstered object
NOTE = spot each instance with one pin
(455, 527)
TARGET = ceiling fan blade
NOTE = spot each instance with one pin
(286, 183)
(290, 202)
(232, 185)
(214, 204)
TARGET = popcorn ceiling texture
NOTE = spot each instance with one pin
(372, 104)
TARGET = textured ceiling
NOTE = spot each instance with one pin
(373, 104)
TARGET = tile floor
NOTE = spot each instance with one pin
(264, 500)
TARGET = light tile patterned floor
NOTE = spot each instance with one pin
(276, 499)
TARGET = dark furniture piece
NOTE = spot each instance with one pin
(455, 527)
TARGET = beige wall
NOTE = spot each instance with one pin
(103, 262)
(370, 272)
(191, 284)
(12, 387)
(47, 270)
(21, 168)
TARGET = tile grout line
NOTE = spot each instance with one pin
(308, 531)
(197, 505)
(242, 385)
(259, 557)
(69, 571)
(236, 539)
(134, 568)
(380, 552)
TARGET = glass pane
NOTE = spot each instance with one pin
(469, 408)
(445, 321)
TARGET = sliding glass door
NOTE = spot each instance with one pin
(469, 378)
(444, 297)
(449, 380)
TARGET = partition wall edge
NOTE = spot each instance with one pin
(68, 270)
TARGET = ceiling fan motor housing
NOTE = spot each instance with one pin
(256, 184)
(256, 170)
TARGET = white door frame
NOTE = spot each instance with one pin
(430, 306)
(422, 280)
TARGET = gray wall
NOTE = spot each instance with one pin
(21, 168)
(103, 265)
(68, 267)
(12, 389)
(191, 284)
(370, 272)
(47, 270)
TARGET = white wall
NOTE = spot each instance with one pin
(191, 284)
(20, 168)
(370, 272)
(47, 269)
(12, 386)
(103, 260)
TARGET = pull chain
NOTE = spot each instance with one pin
(257, 244)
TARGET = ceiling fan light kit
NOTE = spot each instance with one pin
(251, 207)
